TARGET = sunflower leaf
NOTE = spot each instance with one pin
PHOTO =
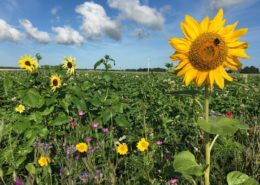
(239, 178)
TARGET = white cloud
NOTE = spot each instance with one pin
(8, 32)
(142, 14)
(55, 10)
(96, 22)
(66, 35)
(165, 9)
(40, 36)
(140, 34)
(225, 3)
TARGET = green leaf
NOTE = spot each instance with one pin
(1, 173)
(239, 178)
(8, 84)
(48, 111)
(19, 161)
(185, 163)
(122, 122)
(30, 168)
(33, 99)
(60, 120)
(43, 132)
(36, 116)
(106, 115)
(21, 125)
(185, 92)
(221, 125)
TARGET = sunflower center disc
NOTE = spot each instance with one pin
(207, 52)
(28, 63)
(55, 82)
(69, 65)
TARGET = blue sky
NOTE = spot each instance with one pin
(133, 32)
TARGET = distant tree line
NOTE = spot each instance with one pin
(156, 69)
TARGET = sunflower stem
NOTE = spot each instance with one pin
(208, 144)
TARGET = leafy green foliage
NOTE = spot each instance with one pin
(239, 178)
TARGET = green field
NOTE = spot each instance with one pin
(155, 106)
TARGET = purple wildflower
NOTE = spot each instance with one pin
(95, 124)
(88, 139)
(81, 113)
(84, 177)
(62, 170)
(173, 181)
(105, 130)
(159, 142)
(18, 181)
(70, 150)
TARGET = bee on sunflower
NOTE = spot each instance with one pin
(207, 49)
(69, 64)
(28, 63)
(55, 82)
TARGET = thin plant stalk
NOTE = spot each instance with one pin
(207, 147)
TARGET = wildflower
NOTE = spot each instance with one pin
(173, 181)
(229, 114)
(122, 149)
(105, 130)
(207, 49)
(88, 139)
(94, 124)
(82, 147)
(69, 64)
(19, 181)
(47, 146)
(55, 82)
(70, 150)
(159, 142)
(28, 63)
(19, 108)
(81, 113)
(62, 170)
(84, 177)
(44, 161)
(142, 145)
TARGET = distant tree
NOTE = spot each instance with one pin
(38, 57)
(249, 70)
(105, 61)
(169, 65)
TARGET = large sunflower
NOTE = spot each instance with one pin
(28, 63)
(207, 49)
(69, 64)
(55, 82)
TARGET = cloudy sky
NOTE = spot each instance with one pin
(133, 32)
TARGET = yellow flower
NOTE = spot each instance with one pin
(28, 63)
(20, 108)
(122, 149)
(207, 49)
(44, 161)
(55, 82)
(142, 145)
(82, 147)
(69, 64)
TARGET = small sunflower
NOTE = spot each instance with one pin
(122, 149)
(69, 64)
(207, 49)
(28, 63)
(55, 82)
(82, 147)
(142, 145)
(19, 108)
(44, 161)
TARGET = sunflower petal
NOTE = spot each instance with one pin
(219, 78)
(180, 44)
(187, 32)
(234, 61)
(211, 78)
(201, 77)
(238, 53)
(192, 24)
(184, 70)
(217, 22)
(189, 76)
(228, 29)
(178, 56)
(225, 74)
(234, 36)
(182, 64)
(237, 44)
(204, 25)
